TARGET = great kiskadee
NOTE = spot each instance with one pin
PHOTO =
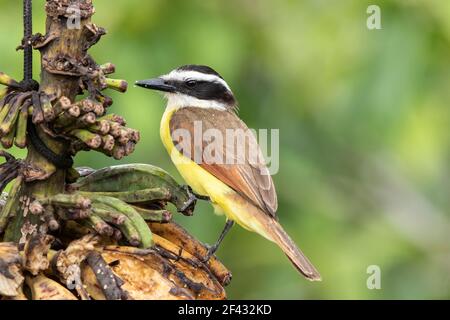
(243, 190)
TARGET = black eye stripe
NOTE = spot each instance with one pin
(190, 82)
(204, 90)
(196, 81)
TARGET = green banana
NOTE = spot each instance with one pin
(136, 220)
(130, 147)
(63, 104)
(115, 84)
(114, 118)
(160, 216)
(99, 109)
(115, 129)
(9, 121)
(108, 214)
(92, 140)
(136, 177)
(7, 140)
(68, 117)
(86, 105)
(7, 80)
(131, 233)
(38, 115)
(21, 131)
(5, 110)
(68, 201)
(108, 142)
(108, 68)
(3, 92)
(104, 100)
(100, 226)
(72, 175)
(100, 127)
(137, 196)
(87, 119)
(13, 198)
(47, 108)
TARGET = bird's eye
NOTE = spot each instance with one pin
(191, 83)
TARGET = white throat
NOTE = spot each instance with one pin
(178, 100)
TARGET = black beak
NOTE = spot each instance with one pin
(156, 84)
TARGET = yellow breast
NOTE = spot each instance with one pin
(224, 199)
(200, 180)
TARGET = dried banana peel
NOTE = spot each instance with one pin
(152, 274)
(11, 278)
(43, 288)
(140, 281)
(181, 238)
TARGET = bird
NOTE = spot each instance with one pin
(201, 110)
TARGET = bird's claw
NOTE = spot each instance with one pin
(211, 251)
(193, 197)
(190, 203)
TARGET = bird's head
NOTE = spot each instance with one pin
(193, 86)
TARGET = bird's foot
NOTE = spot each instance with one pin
(196, 195)
(193, 197)
(190, 203)
(200, 197)
(211, 251)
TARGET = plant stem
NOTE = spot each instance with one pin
(72, 44)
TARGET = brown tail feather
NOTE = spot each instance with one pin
(298, 259)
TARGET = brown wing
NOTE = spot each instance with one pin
(238, 162)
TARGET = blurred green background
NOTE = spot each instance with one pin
(364, 124)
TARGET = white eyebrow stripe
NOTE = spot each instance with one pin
(178, 100)
(195, 75)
